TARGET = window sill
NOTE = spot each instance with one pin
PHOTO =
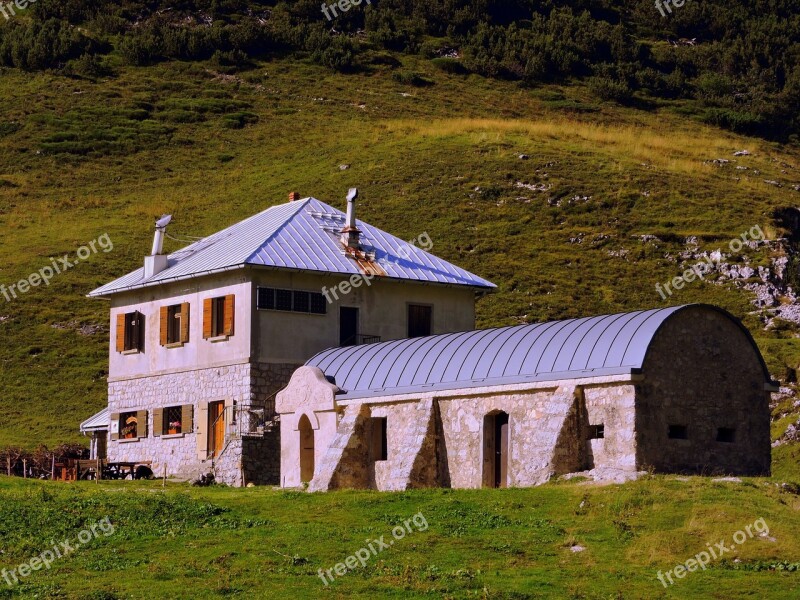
(219, 338)
(172, 436)
(127, 352)
(175, 345)
(128, 441)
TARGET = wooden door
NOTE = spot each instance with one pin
(216, 427)
(495, 450)
(306, 449)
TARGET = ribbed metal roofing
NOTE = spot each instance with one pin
(588, 347)
(301, 235)
(97, 422)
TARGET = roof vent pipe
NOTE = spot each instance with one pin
(350, 234)
(157, 261)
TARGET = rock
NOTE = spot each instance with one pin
(773, 182)
(524, 157)
(742, 153)
(344, 167)
(727, 479)
(577, 548)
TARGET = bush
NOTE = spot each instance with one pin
(412, 78)
(450, 65)
(610, 89)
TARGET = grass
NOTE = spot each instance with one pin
(183, 542)
(82, 158)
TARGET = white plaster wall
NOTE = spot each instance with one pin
(294, 338)
(197, 353)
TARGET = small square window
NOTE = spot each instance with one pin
(318, 304)
(128, 426)
(597, 432)
(172, 424)
(301, 303)
(726, 435)
(678, 432)
(283, 299)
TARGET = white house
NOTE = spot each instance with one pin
(203, 339)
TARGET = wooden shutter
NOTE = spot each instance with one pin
(202, 431)
(229, 306)
(115, 425)
(185, 323)
(141, 423)
(121, 333)
(158, 422)
(138, 331)
(187, 413)
(164, 324)
(207, 318)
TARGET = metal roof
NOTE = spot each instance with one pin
(100, 421)
(301, 235)
(589, 347)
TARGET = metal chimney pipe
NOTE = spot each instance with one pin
(158, 242)
(351, 207)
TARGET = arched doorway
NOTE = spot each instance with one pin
(495, 450)
(306, 449)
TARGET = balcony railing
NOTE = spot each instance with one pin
(360, 339)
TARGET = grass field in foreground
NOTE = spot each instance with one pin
(185, 542)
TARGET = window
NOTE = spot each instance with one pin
(130, 332)
(218, 316)
(173, 420)
(291, 301)
(726, 435)
(597, 432)
(128, 426)
(420, 319)
(379, 449)
(174, 324)
(172, 423)
(678, 432)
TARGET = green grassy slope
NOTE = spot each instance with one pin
(215, 543)
(80, 159)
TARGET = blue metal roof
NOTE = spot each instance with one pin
(588, 347)
(301, 235)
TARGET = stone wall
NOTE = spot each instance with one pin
(703, 372)
(267, 379)
(244, 384)
(178, 453)
(614, 407)
(254, 458)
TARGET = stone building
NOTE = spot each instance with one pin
(203, 338)
(681, 389)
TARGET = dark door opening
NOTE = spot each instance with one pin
(495, 450)
(348, 326)
(306, 449)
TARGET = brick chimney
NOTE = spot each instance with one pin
(294, 196)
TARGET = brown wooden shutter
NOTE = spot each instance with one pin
(185, 323)
(121, 333)
(138, 331)
(141, 423)
(229, 306)
(158, 422)
(115, 419)
(202, 431)
(164, 324)
(187, 413)
(207, 318)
